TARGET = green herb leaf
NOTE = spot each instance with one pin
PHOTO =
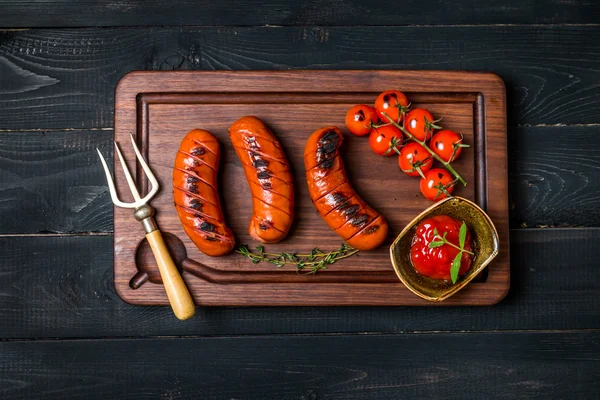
(455, 267)
(435, 232)
(462, 235)
(435, 244)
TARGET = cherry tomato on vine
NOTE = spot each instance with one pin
(392, 102)
(444, 142)
(437, 184)
(385, 139)
(359, 119)
(420, 123)
(413, 157)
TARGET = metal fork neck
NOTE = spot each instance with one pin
(145, 214)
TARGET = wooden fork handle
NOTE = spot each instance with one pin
(179, 296)
(177, 292)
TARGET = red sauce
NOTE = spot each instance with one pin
(435, 263)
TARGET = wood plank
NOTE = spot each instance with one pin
(66, 78)
(433, 366)
(54, 182)
(62, 287)
(64, 13)
(554, 175)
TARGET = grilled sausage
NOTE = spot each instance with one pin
(333, 196)
(268, 173)
(196, 196)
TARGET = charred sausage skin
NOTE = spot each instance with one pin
(268, 174)
(196, 196)
(334, 198)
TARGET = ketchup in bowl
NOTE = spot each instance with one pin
(436, 262)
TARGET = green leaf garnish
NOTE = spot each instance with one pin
(455, 267)
(462, 235)
(435, 244)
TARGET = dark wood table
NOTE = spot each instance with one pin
(64, 333)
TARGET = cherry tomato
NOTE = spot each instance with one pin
(384, 139)
(391, 102)
(413, 156)
(436, 181)
(419, 122)
(443, 143)
(359, 119)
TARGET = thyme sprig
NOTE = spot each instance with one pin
(305, 263)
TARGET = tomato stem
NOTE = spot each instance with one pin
(433, 154)
(379, 125)
(418, 169)
(431, 125)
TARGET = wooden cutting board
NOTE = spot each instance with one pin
(159, 108)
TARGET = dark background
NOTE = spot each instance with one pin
(64, 333)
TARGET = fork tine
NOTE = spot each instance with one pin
(111, 184)
(128, 177)
(146, 169)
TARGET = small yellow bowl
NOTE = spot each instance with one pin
(484, 236)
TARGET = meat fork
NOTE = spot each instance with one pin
(177, 292)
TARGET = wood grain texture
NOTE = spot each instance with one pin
(388, 367)
(53, 182)
(27, 14)
(62, 287)
(66, 78)
(182, 101)
(554, 176)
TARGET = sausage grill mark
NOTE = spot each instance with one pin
(327, 164)
(327, 146)
(350, 211)
(204, 146)
(359, 220)
(191, 184)
(259, 163)
(263, 175)
(192, 180)
(337, 198)
(207, 226)
(372, 229)
(196, 204)
(198, 151)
